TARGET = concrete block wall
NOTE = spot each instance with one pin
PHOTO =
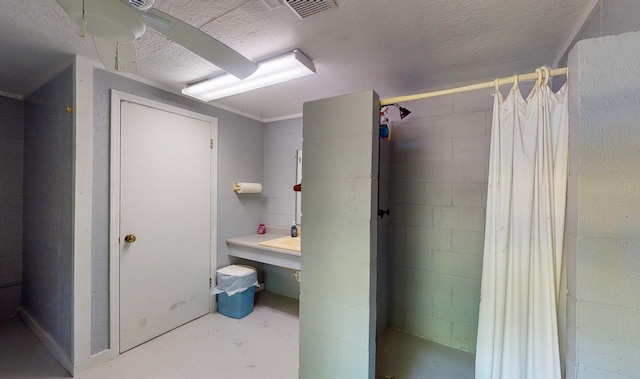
(339, 244)
(11, 178)
(281, 141)
(610, 18)
(281, 280)
(603, 210)
(384, 224)
(440, 157)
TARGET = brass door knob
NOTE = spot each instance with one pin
(129, 238)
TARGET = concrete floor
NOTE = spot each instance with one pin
(403, 356)
(22, 355)
(263, 345)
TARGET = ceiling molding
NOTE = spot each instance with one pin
(162, 87)
(282, 118)
(349, 50)
(12, 95)
(227, 108)
(171, 90)
(210, 103)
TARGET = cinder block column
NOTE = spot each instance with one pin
(339, 244)
(603, 209)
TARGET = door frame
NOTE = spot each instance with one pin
(114, 204)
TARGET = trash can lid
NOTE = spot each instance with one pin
(236, 270)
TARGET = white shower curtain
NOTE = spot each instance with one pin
(521, 272)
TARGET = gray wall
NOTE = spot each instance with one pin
(281, 140)
(11, 161)
(611, 18)
(338, 283)
(240, 156)
(603, 223)
(48, 206)
(439, 169)
(383, 236)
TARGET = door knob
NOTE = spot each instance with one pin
(129, 238)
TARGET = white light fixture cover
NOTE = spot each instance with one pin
(277, 70)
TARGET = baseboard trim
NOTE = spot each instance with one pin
(58, 352)
(94, 361)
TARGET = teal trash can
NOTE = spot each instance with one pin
(234, 287)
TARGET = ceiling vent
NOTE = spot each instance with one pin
(306, 8)
(142, 5)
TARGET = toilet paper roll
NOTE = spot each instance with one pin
(247, 187)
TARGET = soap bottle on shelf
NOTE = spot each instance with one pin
(294, 230)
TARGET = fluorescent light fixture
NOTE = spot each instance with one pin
(277, 70)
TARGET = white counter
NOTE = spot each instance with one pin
(247, 247)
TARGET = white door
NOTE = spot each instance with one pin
(165, 195)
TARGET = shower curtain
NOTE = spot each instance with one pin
(522, 262)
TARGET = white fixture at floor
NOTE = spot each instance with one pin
(277, 70)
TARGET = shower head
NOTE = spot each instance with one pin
(404, 112)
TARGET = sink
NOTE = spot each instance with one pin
(285, 243)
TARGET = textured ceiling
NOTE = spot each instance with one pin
(396, 47)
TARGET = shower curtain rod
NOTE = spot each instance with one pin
(472, 87)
